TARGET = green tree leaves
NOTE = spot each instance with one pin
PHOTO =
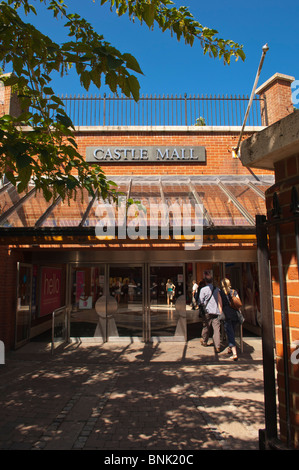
(38, 143)
(180, 22)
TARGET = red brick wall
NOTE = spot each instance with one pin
(9, 103)
(287, 176)
(5, 94)
(278, 98)
(8, 280)
(219, 160)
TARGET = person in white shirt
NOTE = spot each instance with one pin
(210, 296)
(194, 290)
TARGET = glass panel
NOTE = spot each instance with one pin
(177, 193)
(87, 318)
(149, 191)
(219, 206)
(8, 199)
(181, 204)
(97, 212)
(126, 291)
(28, 214)
(244, 276)
(23, 321)
(246, 196)
(60, 328)
(149, 197)
(68, 213)
(167, 302)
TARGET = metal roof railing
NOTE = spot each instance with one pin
(161, 110)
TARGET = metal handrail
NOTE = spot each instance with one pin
(162, 110)
(56, 312)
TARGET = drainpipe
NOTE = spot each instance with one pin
(236, 149)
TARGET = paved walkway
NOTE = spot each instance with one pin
(131, 396)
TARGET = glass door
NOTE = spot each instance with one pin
(24, 299)
(88, 303)
(125, 313)
(114, 302)
(167, 302)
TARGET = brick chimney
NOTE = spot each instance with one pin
(9, 102)
(277, 95)
(4, 99)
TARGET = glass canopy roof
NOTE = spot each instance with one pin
(227, 201)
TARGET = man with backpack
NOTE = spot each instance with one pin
(210, 298)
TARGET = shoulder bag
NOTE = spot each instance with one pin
(236, 304)
(235, 301)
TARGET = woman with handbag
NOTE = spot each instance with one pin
(230, 302)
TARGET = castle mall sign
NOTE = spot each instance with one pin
(138, 154)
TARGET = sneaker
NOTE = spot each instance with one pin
(203, 343)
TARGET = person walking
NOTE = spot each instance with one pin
(194, 291)
(170, 289)
(211, 298)
(230, 316)
(117, 291)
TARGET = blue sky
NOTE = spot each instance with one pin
(171, 67)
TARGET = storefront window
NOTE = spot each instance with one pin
(126, 317)
(244, 278)
(137, 304)
(167, 294)
(87, 288)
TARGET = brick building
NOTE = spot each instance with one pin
(114, 286)
(277, 148)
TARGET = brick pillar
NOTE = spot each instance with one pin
(4, 99)
(277, 147)
(277, 95)
(8, 279)
(9, 102)
(286, 177)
